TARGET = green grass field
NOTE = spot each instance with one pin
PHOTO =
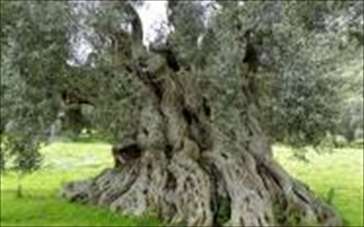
(341, 171)
(42, 206)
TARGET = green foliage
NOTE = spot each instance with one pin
(185, 38)
(25, 151)
(32, 57)
(35, 75)
(301, 51)
(304, 95)
(298, 46)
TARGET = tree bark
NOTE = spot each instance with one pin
(189, 172)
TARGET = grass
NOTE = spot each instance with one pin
(41, 204)
(48, 211)
(342, 172)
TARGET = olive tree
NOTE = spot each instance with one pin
(184, 113)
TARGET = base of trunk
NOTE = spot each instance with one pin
(216, 188)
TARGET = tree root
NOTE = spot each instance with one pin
(216, 189)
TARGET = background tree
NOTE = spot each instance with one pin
(33, 61)
(185, 116)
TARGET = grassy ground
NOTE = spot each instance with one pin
(41, 205)
(341, 172)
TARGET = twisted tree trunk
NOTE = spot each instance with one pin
(181, 166)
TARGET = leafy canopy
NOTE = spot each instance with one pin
(291, 52)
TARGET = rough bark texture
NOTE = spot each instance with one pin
(188, 172)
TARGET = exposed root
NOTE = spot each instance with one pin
(185, 173)
(217, 189)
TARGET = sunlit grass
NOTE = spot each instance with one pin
(342, 171)
(41, 204)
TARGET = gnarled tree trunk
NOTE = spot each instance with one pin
(183, 168)
(183, 164)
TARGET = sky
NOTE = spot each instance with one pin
(153, 15)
